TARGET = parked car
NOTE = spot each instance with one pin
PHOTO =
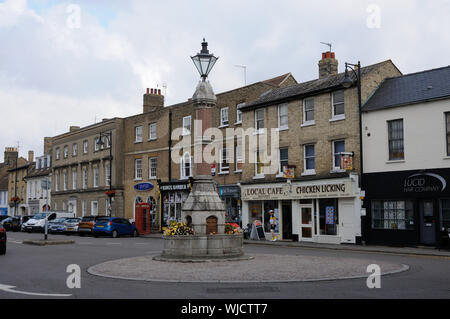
(87, 223)
(23, 220)
(3, 217)
(37, 223)
(114, 227)
(57, 225)
(2, 240)
(71, 225)
(11, 223)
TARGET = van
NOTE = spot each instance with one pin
(37, 223)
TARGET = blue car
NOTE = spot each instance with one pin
(114, 227)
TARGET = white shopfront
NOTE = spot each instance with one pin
(322, 211)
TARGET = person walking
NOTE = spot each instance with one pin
(273, 224)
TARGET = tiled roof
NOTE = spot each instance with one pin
(306, 88)
(276, 81)
(411, 88)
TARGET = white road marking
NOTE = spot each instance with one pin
(11, 290)
(85, 243)
(113, 243)
(14, 241)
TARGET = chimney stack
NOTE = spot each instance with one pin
(47, 144)
(153, 100)
(30, 156)
(10, 155)
(328, 66)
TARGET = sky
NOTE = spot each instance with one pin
(65, 63)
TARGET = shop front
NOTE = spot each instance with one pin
(407, 207)
(323, 211)
(231, 195)
(172, 196)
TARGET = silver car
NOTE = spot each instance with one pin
(71, 225)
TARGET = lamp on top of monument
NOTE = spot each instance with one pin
(204, 61)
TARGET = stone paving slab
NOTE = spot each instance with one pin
(262, 268)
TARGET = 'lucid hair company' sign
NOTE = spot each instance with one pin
(424, 182)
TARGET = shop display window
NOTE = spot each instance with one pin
(392, 215)
(328, 216)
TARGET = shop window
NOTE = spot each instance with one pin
(445, 213)
(392, 215)
(395, 135)
(270, 205)
(255, 209)
(328, 216)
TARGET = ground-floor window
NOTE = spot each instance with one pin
(172, 202)
(328, 216)
(259, 210)
(445, 213)
(389, 214)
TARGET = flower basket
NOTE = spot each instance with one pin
(110, 193)
(232, 228)
(15, 199)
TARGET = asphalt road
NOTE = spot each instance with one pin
(40, 272)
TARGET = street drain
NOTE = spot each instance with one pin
(249, 290)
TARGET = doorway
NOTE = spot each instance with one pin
(286, 208)
(307, 222)
(427, 222)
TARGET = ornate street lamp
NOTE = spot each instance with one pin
(204, 61)
(110, 193)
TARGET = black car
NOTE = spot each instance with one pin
(12, 223)
(3, 217)
(2, 240)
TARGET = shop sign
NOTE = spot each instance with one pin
(213, 169)
(143, 186)
(424, 182)
(298, 191)
(234, 191)
(174, 187)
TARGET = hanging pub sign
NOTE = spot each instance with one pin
(213, 169)
(289, 172)
(347, 161)
(143, 186)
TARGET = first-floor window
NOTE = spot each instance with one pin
(338, 148)
(153, 165)
(310, 165)
(94, 208)
(138, 168)
(239, 158)
(395, 140)
(95, 176)
(259, 165)
(284, 159)
(108, 175)
(83, 207)
(85, 178)
(74, 179)
(186, 166)
(223, 161)
(392, 214)
(65, 181)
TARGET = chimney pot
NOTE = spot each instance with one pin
(30, 156)
(148, 90)
(328, 66)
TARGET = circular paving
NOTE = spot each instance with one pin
(261, 268)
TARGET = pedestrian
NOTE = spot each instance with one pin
(273, 224)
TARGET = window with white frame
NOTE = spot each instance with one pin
(108, 140)
(94, 208)
(152, 131)
(283, 159)
(74, 179)
(239, 113)
(85, 178)
(57, 182)
(56, 205)
(224, 165)
(64, 205)
(308, 111)
(65, 181)
(138, 169)
(283, 116)
(186, 166)
(83, 208)
(259, 120)
(309, 159)
(107, 175)
(239, 157)
(57, 152)
(85, 147)
(152, 167)
(224, 116)
(74, 149)
(138, 134)
(46, 162)
(338, 148)
(338, 104)
(187, 125)
(259, 165)
(66, 151)
(95, 176)
(96, 145)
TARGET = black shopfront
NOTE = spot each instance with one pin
(406, 208)
(172, 196)
(231, 195)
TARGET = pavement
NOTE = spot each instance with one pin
(414, 251)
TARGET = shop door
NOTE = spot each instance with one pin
(427, 222)
(347, 221)
(307, 222)
(287, 220)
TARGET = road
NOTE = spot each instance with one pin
(40, 272)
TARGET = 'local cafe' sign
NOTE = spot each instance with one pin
(297, 191)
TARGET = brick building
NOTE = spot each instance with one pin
(155, 184)
(317, 122)
(18, 170)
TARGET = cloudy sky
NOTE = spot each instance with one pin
(74, 63)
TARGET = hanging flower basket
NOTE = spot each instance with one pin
(15, 199)
(111, 193)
